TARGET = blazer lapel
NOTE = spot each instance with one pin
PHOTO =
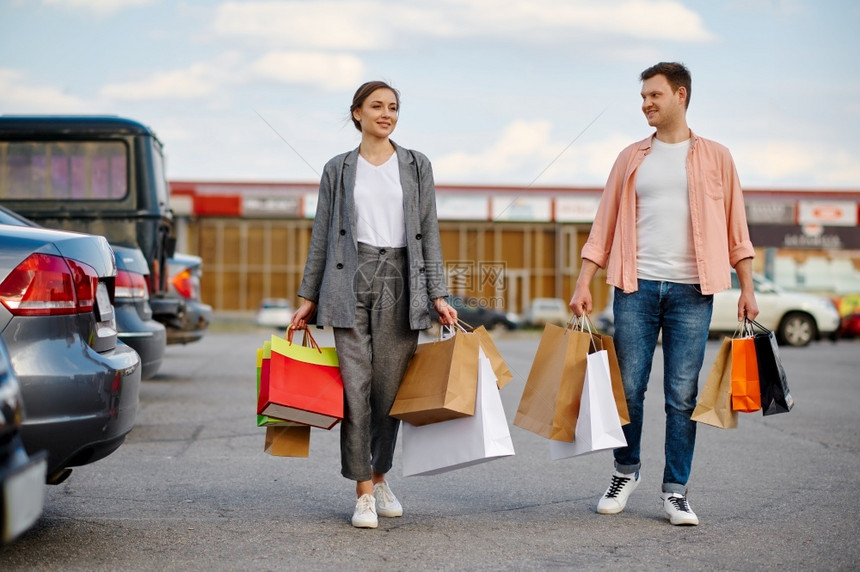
(350, 165)
(409, 183)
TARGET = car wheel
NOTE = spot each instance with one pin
(796, 330)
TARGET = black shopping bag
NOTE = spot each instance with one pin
(775, 397)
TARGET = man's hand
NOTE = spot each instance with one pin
(582, 303)
(747, 306)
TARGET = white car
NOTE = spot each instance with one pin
(797, 318)
(274, 313)
(544, 311)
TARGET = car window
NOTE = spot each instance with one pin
(63, 170)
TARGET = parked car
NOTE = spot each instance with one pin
(478, 312)
(274, 313)
(544, 311)
(22, 476)
(189, 324)
(101, 175)
(80, 383)
(796, 318)
(134, 322)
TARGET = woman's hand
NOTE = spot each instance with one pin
(447, 314)
(303, 314)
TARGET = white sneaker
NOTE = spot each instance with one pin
(678, 510)
(365, 512)
(386, 503)
(614, 499)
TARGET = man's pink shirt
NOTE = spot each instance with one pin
(720, 234)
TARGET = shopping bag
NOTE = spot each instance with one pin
(746, 392)
(457, 443)
(303, 383)
(264, 355)
(775, 397)
(598, 426)
(605, 342)
(441, 380)
(549, 405)
(285, 441)
(715, 401)
(500, 368)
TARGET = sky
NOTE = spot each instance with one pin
(494, 92)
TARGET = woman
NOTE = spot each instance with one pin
(373, 264)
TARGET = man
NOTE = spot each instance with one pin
(669, 227)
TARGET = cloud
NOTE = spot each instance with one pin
(794, 163)
(100, 7)
(376, 24)
(19, 94)
(526, 153)
(197, 81)
(329, 71)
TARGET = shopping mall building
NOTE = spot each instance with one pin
(504, 245)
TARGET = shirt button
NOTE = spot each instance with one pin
(382, 251)
(342, 232)
(339, 266)
(418, 237)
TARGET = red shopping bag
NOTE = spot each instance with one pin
(302, 383)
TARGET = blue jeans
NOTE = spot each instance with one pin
(683, 314)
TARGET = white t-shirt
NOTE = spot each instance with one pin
(379, 218)
(664, 229)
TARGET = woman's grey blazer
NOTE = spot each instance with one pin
(333, 252)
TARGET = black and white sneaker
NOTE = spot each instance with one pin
(678, 510)
(614, 499)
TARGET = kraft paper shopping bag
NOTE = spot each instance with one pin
(549, 405)
(500, 368)
(457, 443)
(440, 382)
(715, 401)
(284, 441)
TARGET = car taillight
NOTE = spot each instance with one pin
(185, 284)
(46, 285)
(130, 285)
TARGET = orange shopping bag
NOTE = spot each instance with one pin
(746, 390)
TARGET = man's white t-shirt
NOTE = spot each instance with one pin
(378, 195)
(664, 230)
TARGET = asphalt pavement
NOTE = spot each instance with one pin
(192, 489)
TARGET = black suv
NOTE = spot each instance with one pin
(105, 175)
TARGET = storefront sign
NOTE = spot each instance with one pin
(462, 207)
(810, 236)
(576, 209)
(763, 211)
(827, 213)
(519, 208)
(268, 206)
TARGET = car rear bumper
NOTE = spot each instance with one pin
(81, 407)
(22, 494)
(147, 337)
(190, 324)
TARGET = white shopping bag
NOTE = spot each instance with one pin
(447, 445)
(598, 426)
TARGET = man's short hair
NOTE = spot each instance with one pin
(676, 73)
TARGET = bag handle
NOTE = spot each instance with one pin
(308, 340)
